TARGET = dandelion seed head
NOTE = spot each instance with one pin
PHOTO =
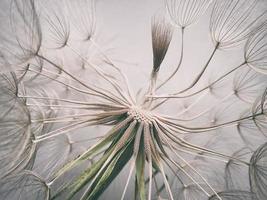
(174, 106)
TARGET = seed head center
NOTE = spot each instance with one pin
(140, 114)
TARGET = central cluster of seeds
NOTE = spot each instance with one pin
(140, 114)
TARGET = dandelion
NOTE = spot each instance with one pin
(74, 124)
